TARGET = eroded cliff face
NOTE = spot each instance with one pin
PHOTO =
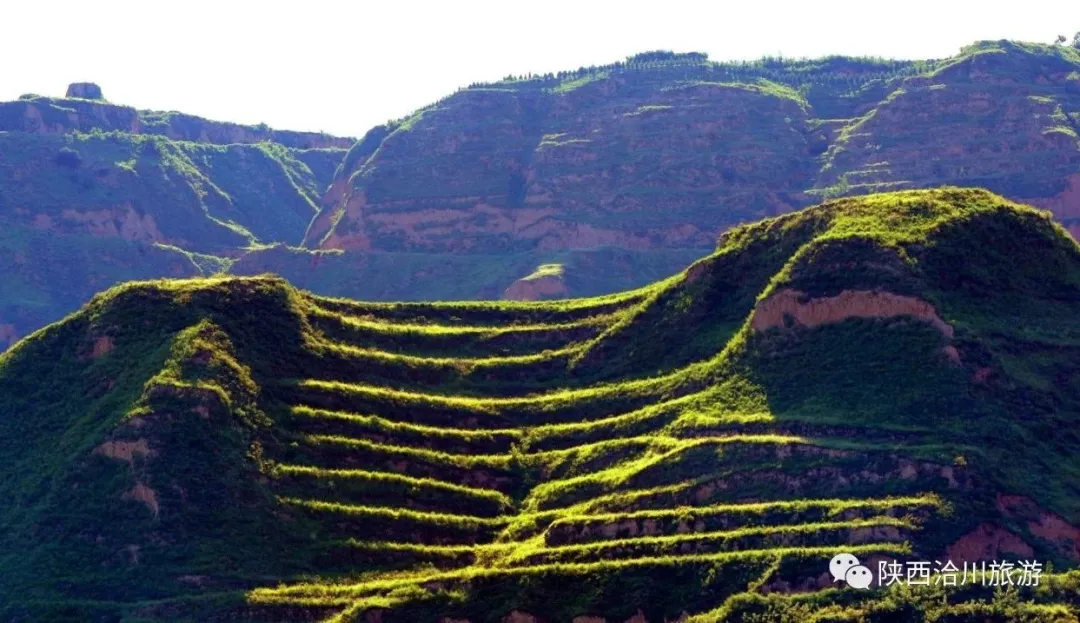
(646, 157)
(1004, 119)
(605, 164)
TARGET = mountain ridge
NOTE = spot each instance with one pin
(878, 375)
(613, 176)
(589, 158)
(37, 114)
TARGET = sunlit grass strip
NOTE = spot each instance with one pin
(367, 323)
(546, 494)
(530, 522)
(342, 590)
(585, 452)
(601, 304)
(833, 506)
(448, 551)
(386, 425)
(599, 548)
(408, 482)
(609, 478)
(357, 353)
(384, 512)
(689, 424)
(466, 461)
(837, 604)
(547, 402)
(658, 415)
(592, 512)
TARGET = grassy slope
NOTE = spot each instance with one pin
(207, 198)
(73, 227)
(651, 450)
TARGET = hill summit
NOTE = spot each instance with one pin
(84, 90)
(892, 377)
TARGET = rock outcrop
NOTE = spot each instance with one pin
(84, 90)
(794, 307)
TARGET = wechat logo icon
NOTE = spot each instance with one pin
(846, 567)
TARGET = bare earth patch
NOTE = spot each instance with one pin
(987, 542)
(146, 495)
(1046, 525)
(102, 346)
(848, 304)
(124, 450)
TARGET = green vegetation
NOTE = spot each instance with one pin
(86, 211)
(228, 448)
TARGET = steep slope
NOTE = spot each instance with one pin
(619, 174)
(1003, 115)
(892, 376)
(93, 194)
(665, 151)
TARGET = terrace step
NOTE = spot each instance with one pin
(454, 340)
(372, 523)
(482, 314)
(874, 530)
(588, 528)
(371, 488)
(382, 430)
(459, 410)
(495, 375)
(750, 468)
(482, 471)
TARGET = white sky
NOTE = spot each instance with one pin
(343, 67)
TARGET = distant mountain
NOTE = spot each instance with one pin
(84, 109)
(573, 184)
(92, 194)
(893, 377)
(665, 151)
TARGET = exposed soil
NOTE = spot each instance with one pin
(1045, 525)
(124, 450)
(146, 495)
(102, 346)
(988, 541)
(810, 312)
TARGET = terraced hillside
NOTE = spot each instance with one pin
(892, 376)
